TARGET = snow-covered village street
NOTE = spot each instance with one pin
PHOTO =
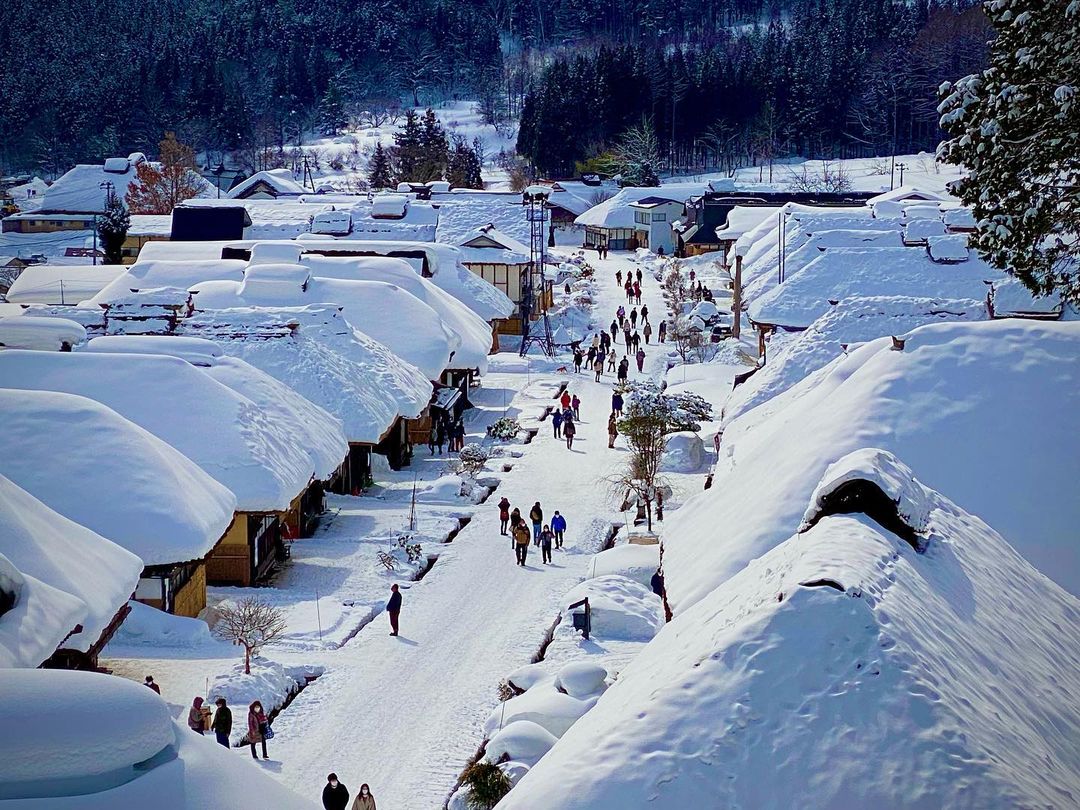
(505, 406)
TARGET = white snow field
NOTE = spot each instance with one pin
(843, 669)
(123, 751)
(90, 576)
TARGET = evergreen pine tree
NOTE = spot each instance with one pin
(112, 228)
(380, 173)
(1016, 128)
(434, 149)
(407, 149)
(332, 117)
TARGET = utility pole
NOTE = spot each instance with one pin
(736, 297)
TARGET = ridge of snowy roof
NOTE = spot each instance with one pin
(41, 617)
(318, 433)
(44, 544)
(227, 435)
(281, 180)
(61, 283)
(321, 357)
(134, 489)
(39, 333)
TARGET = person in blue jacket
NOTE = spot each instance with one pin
(556, 423)
(558, 526)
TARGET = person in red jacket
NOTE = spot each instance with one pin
(565, 400)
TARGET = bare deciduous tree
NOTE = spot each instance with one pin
(251, 623)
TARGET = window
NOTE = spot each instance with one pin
(659, 217)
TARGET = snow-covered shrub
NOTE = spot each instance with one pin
(413, 552)
(621, 608)
(582, 680)
(545, 705)
(472, 459)
(505, 429)
(487, 785)
(522, 740)
(685, 453)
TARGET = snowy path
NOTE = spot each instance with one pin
(405, 714)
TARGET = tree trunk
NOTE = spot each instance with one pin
(247, 660)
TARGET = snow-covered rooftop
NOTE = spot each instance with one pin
(474, 331)
(319, 355)
(742, 219)
(96, 468)
(52, 549)
(616, 212)
(461, 213)
(43, 334)
(132, 753)
(280, 180)
(388, 313)
(230, 437)
(1011, 297)
(81, 189)
(61, 284)
(905, 194)
(318, 433)
(841, 273)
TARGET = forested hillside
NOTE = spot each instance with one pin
(81, 82)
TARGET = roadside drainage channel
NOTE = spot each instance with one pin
(309, 679)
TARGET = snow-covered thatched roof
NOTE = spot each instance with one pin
(279, 181)
(44, 334)
(96, 468)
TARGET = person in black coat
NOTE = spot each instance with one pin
(393, 608)
(657, 583)
(335, 796)
(222, 725)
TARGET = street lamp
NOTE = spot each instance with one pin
(901, 166)
(109, 188)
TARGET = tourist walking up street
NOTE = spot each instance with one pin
(198, 718)
(568, 431)
(626, 338)
(335, 796)
(558, 527)
(564, 400)
(521, 543)
(590, 357)
(618, 277)
(640, 360)
(258, 728)
(663, 331)
(536, 515)
(545, 544)
(645, 313)
(624, 368)
(611, 358)
(556, 423)
(638, 276)
(647, 332)
(575, 406)
(364, 799)
(577, 361)
(629, 289)
(637, 292)
(616, 402)
(504, 514)
(633, 318)
(612, 430)
(614, 329)
(222, 724)
(635, 341)
(598, 367)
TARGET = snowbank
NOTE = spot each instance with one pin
(638, 562)
(543, 704)
(71, 558)
(270, 683)
(521, 741)
(685, 453)
(37, 622)
(130, 754)
(939, 405)
(132, 487)
(149, 626)
(149, 274)
(842, 669)
(621, 608)
(228, 435)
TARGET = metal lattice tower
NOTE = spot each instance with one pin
(533, 276)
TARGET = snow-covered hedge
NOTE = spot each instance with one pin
(505, 429)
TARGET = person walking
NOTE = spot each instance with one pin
(568, 431)
(645, 313)
(504, 513)
(663, 331)
(515, 521)
(611, 358)
(628, 288)
(575, 406)
(556, 423)
(693, 275)
(222, 724)
(647, 331)
(618, 277)
(521, 543)
(198, 718)
(633, 318)
(364, 800)
(258, 728)
(657, 583)
(393, 608)
(616, 402)
(640, 360)
(545, 544)
(614, 329)
(440, 434)
(596, 340)
(536, 515)
(149, 683)
(626, 338)
(590, 358)
(564, 400)
(637, 292)
(635, 341)
(638, 275)
(335, 796)
(558, 527)
(577, 361)
(598, 367)
(624, 368)
(612, 430)
(605, 342)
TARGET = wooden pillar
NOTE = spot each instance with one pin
(736, 298)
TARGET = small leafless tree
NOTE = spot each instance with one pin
(252, 623)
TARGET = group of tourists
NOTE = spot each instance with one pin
(564, 421)
(335, 796)
(443, 431)
(199, 721)
(543, 535)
